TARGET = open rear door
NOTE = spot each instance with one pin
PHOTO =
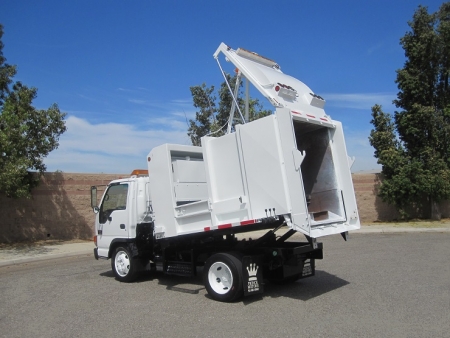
(319, 175)
(320, 199)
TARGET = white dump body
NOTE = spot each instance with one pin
(293, 164)
(277, 165)
(178, 188)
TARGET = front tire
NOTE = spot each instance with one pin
(124, 266)
(222, 276)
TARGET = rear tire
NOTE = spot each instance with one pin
(124, 266)
(222, 276)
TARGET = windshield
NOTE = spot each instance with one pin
(115, 199)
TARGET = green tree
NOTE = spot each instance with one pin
(212, 116)
(27, 134)
(414, 147)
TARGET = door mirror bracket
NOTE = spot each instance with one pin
(94, 199)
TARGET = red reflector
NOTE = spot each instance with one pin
(207, 228)
(95, 240)
(311, 116)
(252, 221)
(277, 88)
(294, 112)
(323, 119)
(224, 226)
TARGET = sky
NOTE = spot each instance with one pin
(121, 70)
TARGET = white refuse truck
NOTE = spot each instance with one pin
(285, 173)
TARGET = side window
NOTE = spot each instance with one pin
(115, 199)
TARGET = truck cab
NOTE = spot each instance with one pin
(124, 205)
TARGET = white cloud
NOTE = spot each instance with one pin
(183, 102)
(184, 115)
(137, 101)
(359, 100)
(110, 147)
(169, 122)
(374, 48)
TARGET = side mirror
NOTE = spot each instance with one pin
(94, 199)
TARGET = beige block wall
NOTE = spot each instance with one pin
(370, 207)
(60, 207)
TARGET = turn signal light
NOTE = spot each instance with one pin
(95, 240)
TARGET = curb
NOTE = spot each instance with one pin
(23, 260)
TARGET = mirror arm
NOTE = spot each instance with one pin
(94, 198)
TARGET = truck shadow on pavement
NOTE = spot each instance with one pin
(303, 289)
(306, 289)
(191, 285)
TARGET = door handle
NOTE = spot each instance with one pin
(122, 226)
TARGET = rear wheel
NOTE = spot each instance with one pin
(124, 266)
(222, 276)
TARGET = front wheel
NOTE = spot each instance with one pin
(222, 276)
(123, 265)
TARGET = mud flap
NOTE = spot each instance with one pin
(309, 268)
(252, 275)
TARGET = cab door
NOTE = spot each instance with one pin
(113, 216)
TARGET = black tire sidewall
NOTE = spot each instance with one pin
(235, 266)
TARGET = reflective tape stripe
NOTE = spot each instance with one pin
(230, 225)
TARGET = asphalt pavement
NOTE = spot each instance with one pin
(374, 285)
(19, 253)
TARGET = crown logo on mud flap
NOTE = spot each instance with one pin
(253, 285)
(252, 270)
